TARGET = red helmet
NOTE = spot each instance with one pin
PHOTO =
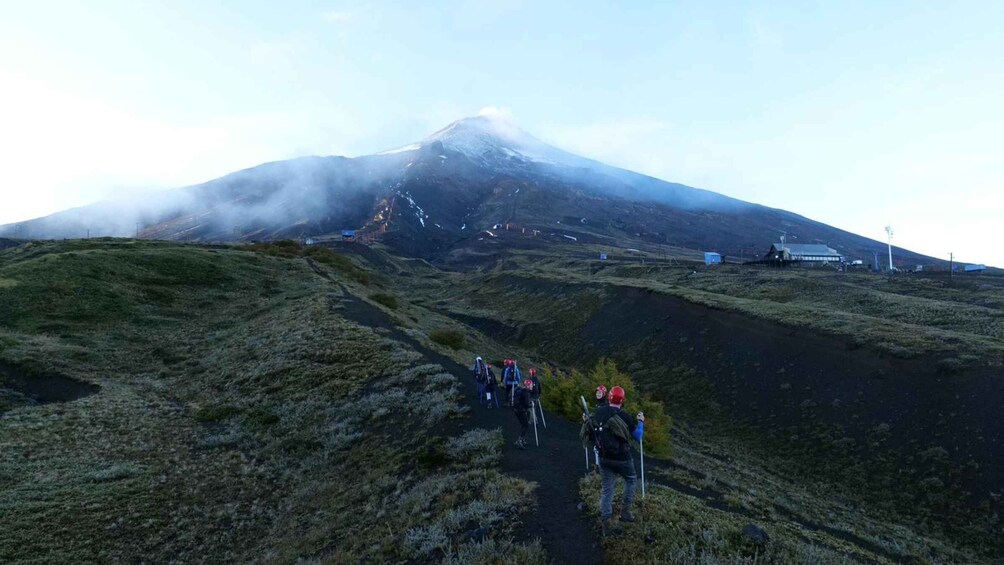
(489, 365)
(600, 388)
(617, 395)
(533, 372)
(527, 383)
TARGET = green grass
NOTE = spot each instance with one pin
(695, 511)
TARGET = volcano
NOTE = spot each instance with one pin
(461, 184)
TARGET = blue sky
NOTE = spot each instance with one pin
(857, 114)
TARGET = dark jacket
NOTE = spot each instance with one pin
(522, 399)
(632, 429)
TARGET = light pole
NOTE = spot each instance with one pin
(888, 230)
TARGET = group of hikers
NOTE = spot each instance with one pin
(608, 430)
(522, 395)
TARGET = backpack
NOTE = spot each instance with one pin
(608, 436)
(522, 400)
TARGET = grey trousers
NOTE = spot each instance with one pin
(609, 471)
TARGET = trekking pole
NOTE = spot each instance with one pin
(534, 412)
(542, 418)
(586, 449)
(641, 442)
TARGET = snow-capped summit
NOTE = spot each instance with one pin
(427, 198)
(491, 134)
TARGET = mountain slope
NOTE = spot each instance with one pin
(427, 198)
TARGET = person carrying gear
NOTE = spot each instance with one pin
(511, 379)
(480, 375)
(521, 406)
(536, 385)
(601, 396)
(491, 387)
(610, 429)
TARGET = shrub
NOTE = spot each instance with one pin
(453, 339)
(388, 300)
(561, 394)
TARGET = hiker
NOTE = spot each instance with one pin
(601, 400)
(478, 367)
(491, 387)
(610, 429)
(601, 396)
(522, 404)
(536, 390)
(510, 378)
(479, 377)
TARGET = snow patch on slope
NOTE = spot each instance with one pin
(411, 147)
(419, 212)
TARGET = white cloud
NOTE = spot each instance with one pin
(496, 112)
(60, 151)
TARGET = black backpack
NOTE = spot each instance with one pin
(608, 436)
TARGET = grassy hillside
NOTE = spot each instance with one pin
(909, 315)
(240, 417)
(885, 401)
(277, 403)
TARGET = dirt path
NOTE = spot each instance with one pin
(566, 533)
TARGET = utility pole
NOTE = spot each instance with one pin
(951, 266)
(137, 230)
(888, 230)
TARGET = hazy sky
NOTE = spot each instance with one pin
(857, 114)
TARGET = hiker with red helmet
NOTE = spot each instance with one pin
(609, 429)
(535, 395)
(521, 406)
(535, 392)
(601, 396)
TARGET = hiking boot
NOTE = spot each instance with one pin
(520, 443)
(627, 516)
(609, 528)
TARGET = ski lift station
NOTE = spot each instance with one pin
(712, 258)
(802, 253)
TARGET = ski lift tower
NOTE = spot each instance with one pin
(888, 231)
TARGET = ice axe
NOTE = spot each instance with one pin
(585, 413)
